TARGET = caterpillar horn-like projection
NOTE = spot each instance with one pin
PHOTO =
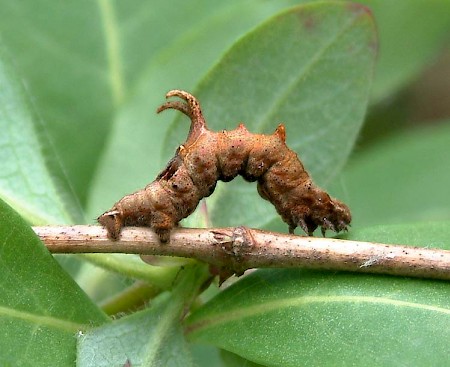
(209, 156)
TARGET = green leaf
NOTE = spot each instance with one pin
(61, 49)
(423, 234)
(25, 181)
(281, 317)
(309, 67)
(152, 334)
(180, 41)
(412, 33)
(233, 360)
(133, 267)
(41, 307)
(401, 179)
(207, 355)
(152, 337)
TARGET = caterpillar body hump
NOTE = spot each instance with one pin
(209, 156)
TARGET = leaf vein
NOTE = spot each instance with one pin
(267, 119)
(41, 320)
(303, 301)
(113, 48)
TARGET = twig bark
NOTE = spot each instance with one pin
(238, 249)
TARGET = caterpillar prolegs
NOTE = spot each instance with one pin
(209, 156)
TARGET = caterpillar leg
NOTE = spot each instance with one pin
(162, 224)
(308, 228)
(163, 234)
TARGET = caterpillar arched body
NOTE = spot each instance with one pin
(209, 156)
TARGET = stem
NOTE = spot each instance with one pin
(238, 249)
(130, 299)
(159, 276)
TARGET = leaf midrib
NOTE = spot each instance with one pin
(241, 313)
(41, 320)
(266, 118)
(30, 212)
(113, 47)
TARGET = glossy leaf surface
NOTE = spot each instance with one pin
(281, 317)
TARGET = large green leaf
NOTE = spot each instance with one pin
(25, 180)
(401, 179)
(309, 67)
(41, 308)
(295, 317)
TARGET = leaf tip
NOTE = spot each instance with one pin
(364, 13)
(360, 9)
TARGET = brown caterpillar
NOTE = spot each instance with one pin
(209, 156)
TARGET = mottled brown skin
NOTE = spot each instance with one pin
(207, 157)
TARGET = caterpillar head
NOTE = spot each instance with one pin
(112, 222)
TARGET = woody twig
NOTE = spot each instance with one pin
(238, 249)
